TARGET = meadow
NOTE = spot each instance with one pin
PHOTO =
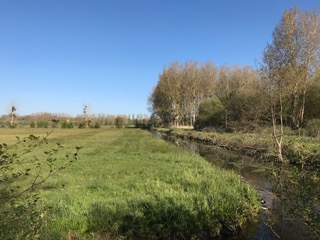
(128, 184)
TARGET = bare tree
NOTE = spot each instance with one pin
(191, 84)
(208, 80)
(296, 50)
(12, 116)
(289, 64)
(274, 86)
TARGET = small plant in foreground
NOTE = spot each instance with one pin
(22, 171)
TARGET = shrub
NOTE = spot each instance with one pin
(42, 124)
(82, 125)
(119, 122)
(54, 123)
(313, 128)
(97, 125)
(14, 125)
(66, 124)
(211, 114)
(32, 124)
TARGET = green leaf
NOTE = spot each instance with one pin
(33, 137)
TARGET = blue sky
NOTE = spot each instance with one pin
(57, 55)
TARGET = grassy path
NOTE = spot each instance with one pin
(127, 183)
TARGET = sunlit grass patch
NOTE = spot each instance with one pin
(126, 183)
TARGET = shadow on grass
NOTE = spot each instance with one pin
(156, 219)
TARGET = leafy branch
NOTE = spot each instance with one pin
(24, 167)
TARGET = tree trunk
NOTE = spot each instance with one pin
(226, 118)
(278, 134)
(303, 107)
(12, 120)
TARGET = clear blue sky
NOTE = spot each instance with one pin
(57, 55)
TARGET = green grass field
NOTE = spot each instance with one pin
(128, 184)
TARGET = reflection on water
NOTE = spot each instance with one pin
(272, 224)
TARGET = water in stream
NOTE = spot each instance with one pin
(272, 225)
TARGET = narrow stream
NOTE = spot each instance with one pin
(272, 225)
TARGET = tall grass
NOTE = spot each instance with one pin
(126, 183)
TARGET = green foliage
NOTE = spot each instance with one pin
(211, 114)
(154, 121)
(82, 125)
(42, 124)
(33, 124)
(303, 151)
(67, 124)
(119, 122)
(313, 128)
(96, 125)
(2, 124)
(23, 169)
(13, 125)
(55, 123)
(312, 108)
(299, 191)
(247, 106)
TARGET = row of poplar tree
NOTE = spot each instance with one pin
(283, 89)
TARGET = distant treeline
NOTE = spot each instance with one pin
(46, 120)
